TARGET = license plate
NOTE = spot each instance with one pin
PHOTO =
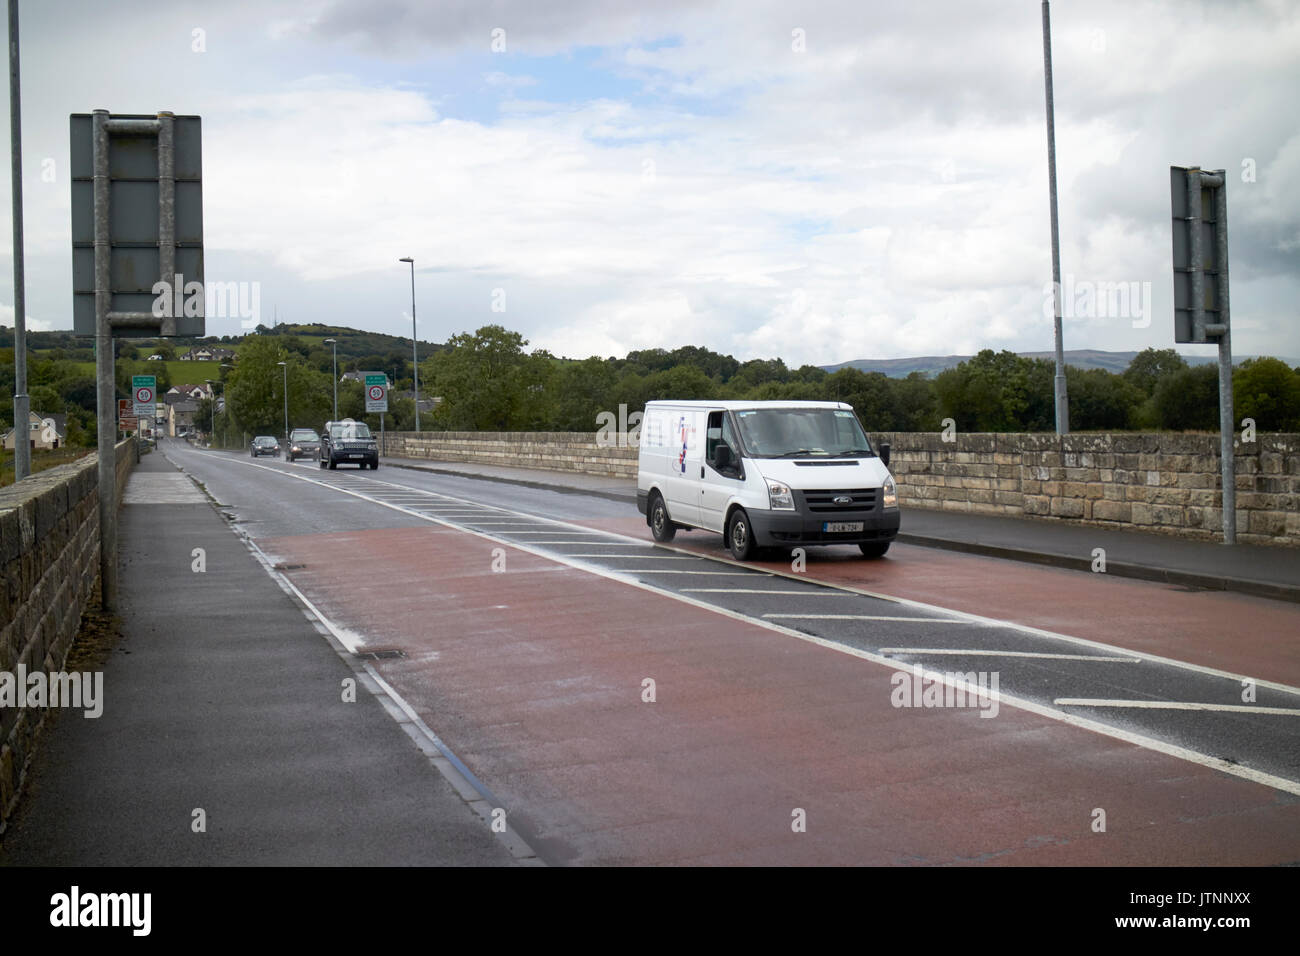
(834, 526)
(356, 456)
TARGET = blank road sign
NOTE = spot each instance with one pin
(133, 226)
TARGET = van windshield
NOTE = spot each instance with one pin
(802, 433)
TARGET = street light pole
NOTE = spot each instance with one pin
(22, 402)
(285, 366)
(415, 349)
(212, 407)
(334, 343)
(1062, 400)
(223, 392)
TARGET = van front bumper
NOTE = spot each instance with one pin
(778, 529)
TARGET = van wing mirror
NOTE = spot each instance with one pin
(884, 453)
(722, 456)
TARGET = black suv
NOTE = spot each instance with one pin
(348, 442)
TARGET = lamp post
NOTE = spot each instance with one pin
(1059, 387)
(285, 366)
(223, 392)
(415, 350)
(334, 343)
(212, 407)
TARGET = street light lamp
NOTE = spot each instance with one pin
(415, 351)
(334, 343)
(285, 366)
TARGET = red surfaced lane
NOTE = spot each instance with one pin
(535, 676)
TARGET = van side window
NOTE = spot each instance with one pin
(720, 432)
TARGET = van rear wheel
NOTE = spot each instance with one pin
(740, 536)
(661, 525)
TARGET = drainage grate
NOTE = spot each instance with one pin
(289, 567)
(383, 654)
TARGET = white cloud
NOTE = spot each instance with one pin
(892, 176)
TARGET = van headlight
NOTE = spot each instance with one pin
(779, 496)
(889, 498)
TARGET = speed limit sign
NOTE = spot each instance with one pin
(376, 392)
(143, 394)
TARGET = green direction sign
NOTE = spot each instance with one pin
(376, 392)
(144, 395)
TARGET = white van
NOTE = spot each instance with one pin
(765, 474)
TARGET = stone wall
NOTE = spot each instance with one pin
(1160, 482)
(49, 560)
(552, 451)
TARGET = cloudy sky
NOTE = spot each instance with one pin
(820, 181)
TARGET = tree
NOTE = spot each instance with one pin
(488, 383)
(1267, 390)
(1188, 400)
(1150, 366)
(998, 392)
(583, 390)
(1101, 400)
(255, 397)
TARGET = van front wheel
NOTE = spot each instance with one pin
(874, 549)
(660, 525)
(740, 536)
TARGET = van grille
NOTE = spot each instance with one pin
(864, 499)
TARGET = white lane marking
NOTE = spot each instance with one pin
(958, 652)
(593, 533)
(1042, 710)
(765, 591)
(1015, 626)
(610, 544)
(634, 557)
(865, 617)
(1177, 705)
(718, 574)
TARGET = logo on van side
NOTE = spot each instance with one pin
(681, 458)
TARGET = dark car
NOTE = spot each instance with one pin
(304, 443)
(265, 445)
(348, 442)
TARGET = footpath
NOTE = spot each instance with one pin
(225, 738)
(1261, 570)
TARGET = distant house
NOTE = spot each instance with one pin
(44, 431)
(186, 393)
(208, 353)
(180, 418)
